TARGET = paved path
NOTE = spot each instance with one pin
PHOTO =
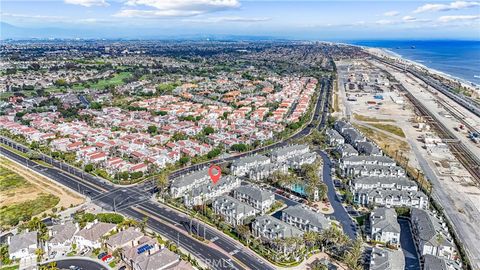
(408, 246)
(340, 214)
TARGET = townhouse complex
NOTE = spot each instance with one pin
(259, 167)
(374, 179)
(377, 182)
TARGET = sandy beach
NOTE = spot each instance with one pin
(398, 58)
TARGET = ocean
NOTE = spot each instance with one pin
(457, 58)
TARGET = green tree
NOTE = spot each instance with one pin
(310, 239)
(89, 168)
(95, 106)
(208, 130)
(60, 82)
(178, 136)
(152, 129)
(239, 147)
(213, 153)
(4, 256)
(184, 160)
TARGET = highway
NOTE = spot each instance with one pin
(134, 201)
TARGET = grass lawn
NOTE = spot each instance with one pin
(10, 180)
(370, 119)
(13, 267)
(390, 128)
(116, 80)
(14, 213)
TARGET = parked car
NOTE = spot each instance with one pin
(53, 254)
(84, 251)
(101, 255)
(122, 268)
(109, 259)
(105, 258)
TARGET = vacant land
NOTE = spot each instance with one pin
(389, 128)
(24, 211)
(24, 194)
(388, 144)
(364, 118)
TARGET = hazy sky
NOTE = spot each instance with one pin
(286, 19)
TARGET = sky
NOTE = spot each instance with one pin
(312, 20)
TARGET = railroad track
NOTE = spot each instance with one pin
(458, 149)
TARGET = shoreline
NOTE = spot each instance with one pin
(383, 52)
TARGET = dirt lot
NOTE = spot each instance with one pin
(36, 185)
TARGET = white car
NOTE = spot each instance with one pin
(109, 259)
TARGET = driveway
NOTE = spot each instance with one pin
(340, 214)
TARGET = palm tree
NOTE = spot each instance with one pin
(39, 252)
(162, 181)
(52, 266)
(310, 239)
(244, 232)
(143, 224)
(117, 252)
(279, 244)
(128, 223)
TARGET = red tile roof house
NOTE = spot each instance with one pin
(140, 167)
(174, 156)
(83, 151)
(74, 146)
(96, 157)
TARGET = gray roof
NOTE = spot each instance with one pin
(254, 192)
(333, 133)
(21, 241)
(352, 134)
(277, 226)
(314, 219)
(301, 157)
(385, 219)
(382, 193)
(96, 231)
(131, 253)
(250, 159)
(385, 259)
(376, 159)
(288, 149)
(123, 237)
(428, 227)
(157, 260)
(375, 167)
(371, 180)
(208, 187)
(433, 263)
(347, 148)
(62, 232)
(368, 148)
(232, 204)
(268, 167)
(341, 124)
(187, 179)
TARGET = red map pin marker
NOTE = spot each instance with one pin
(215, 172)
